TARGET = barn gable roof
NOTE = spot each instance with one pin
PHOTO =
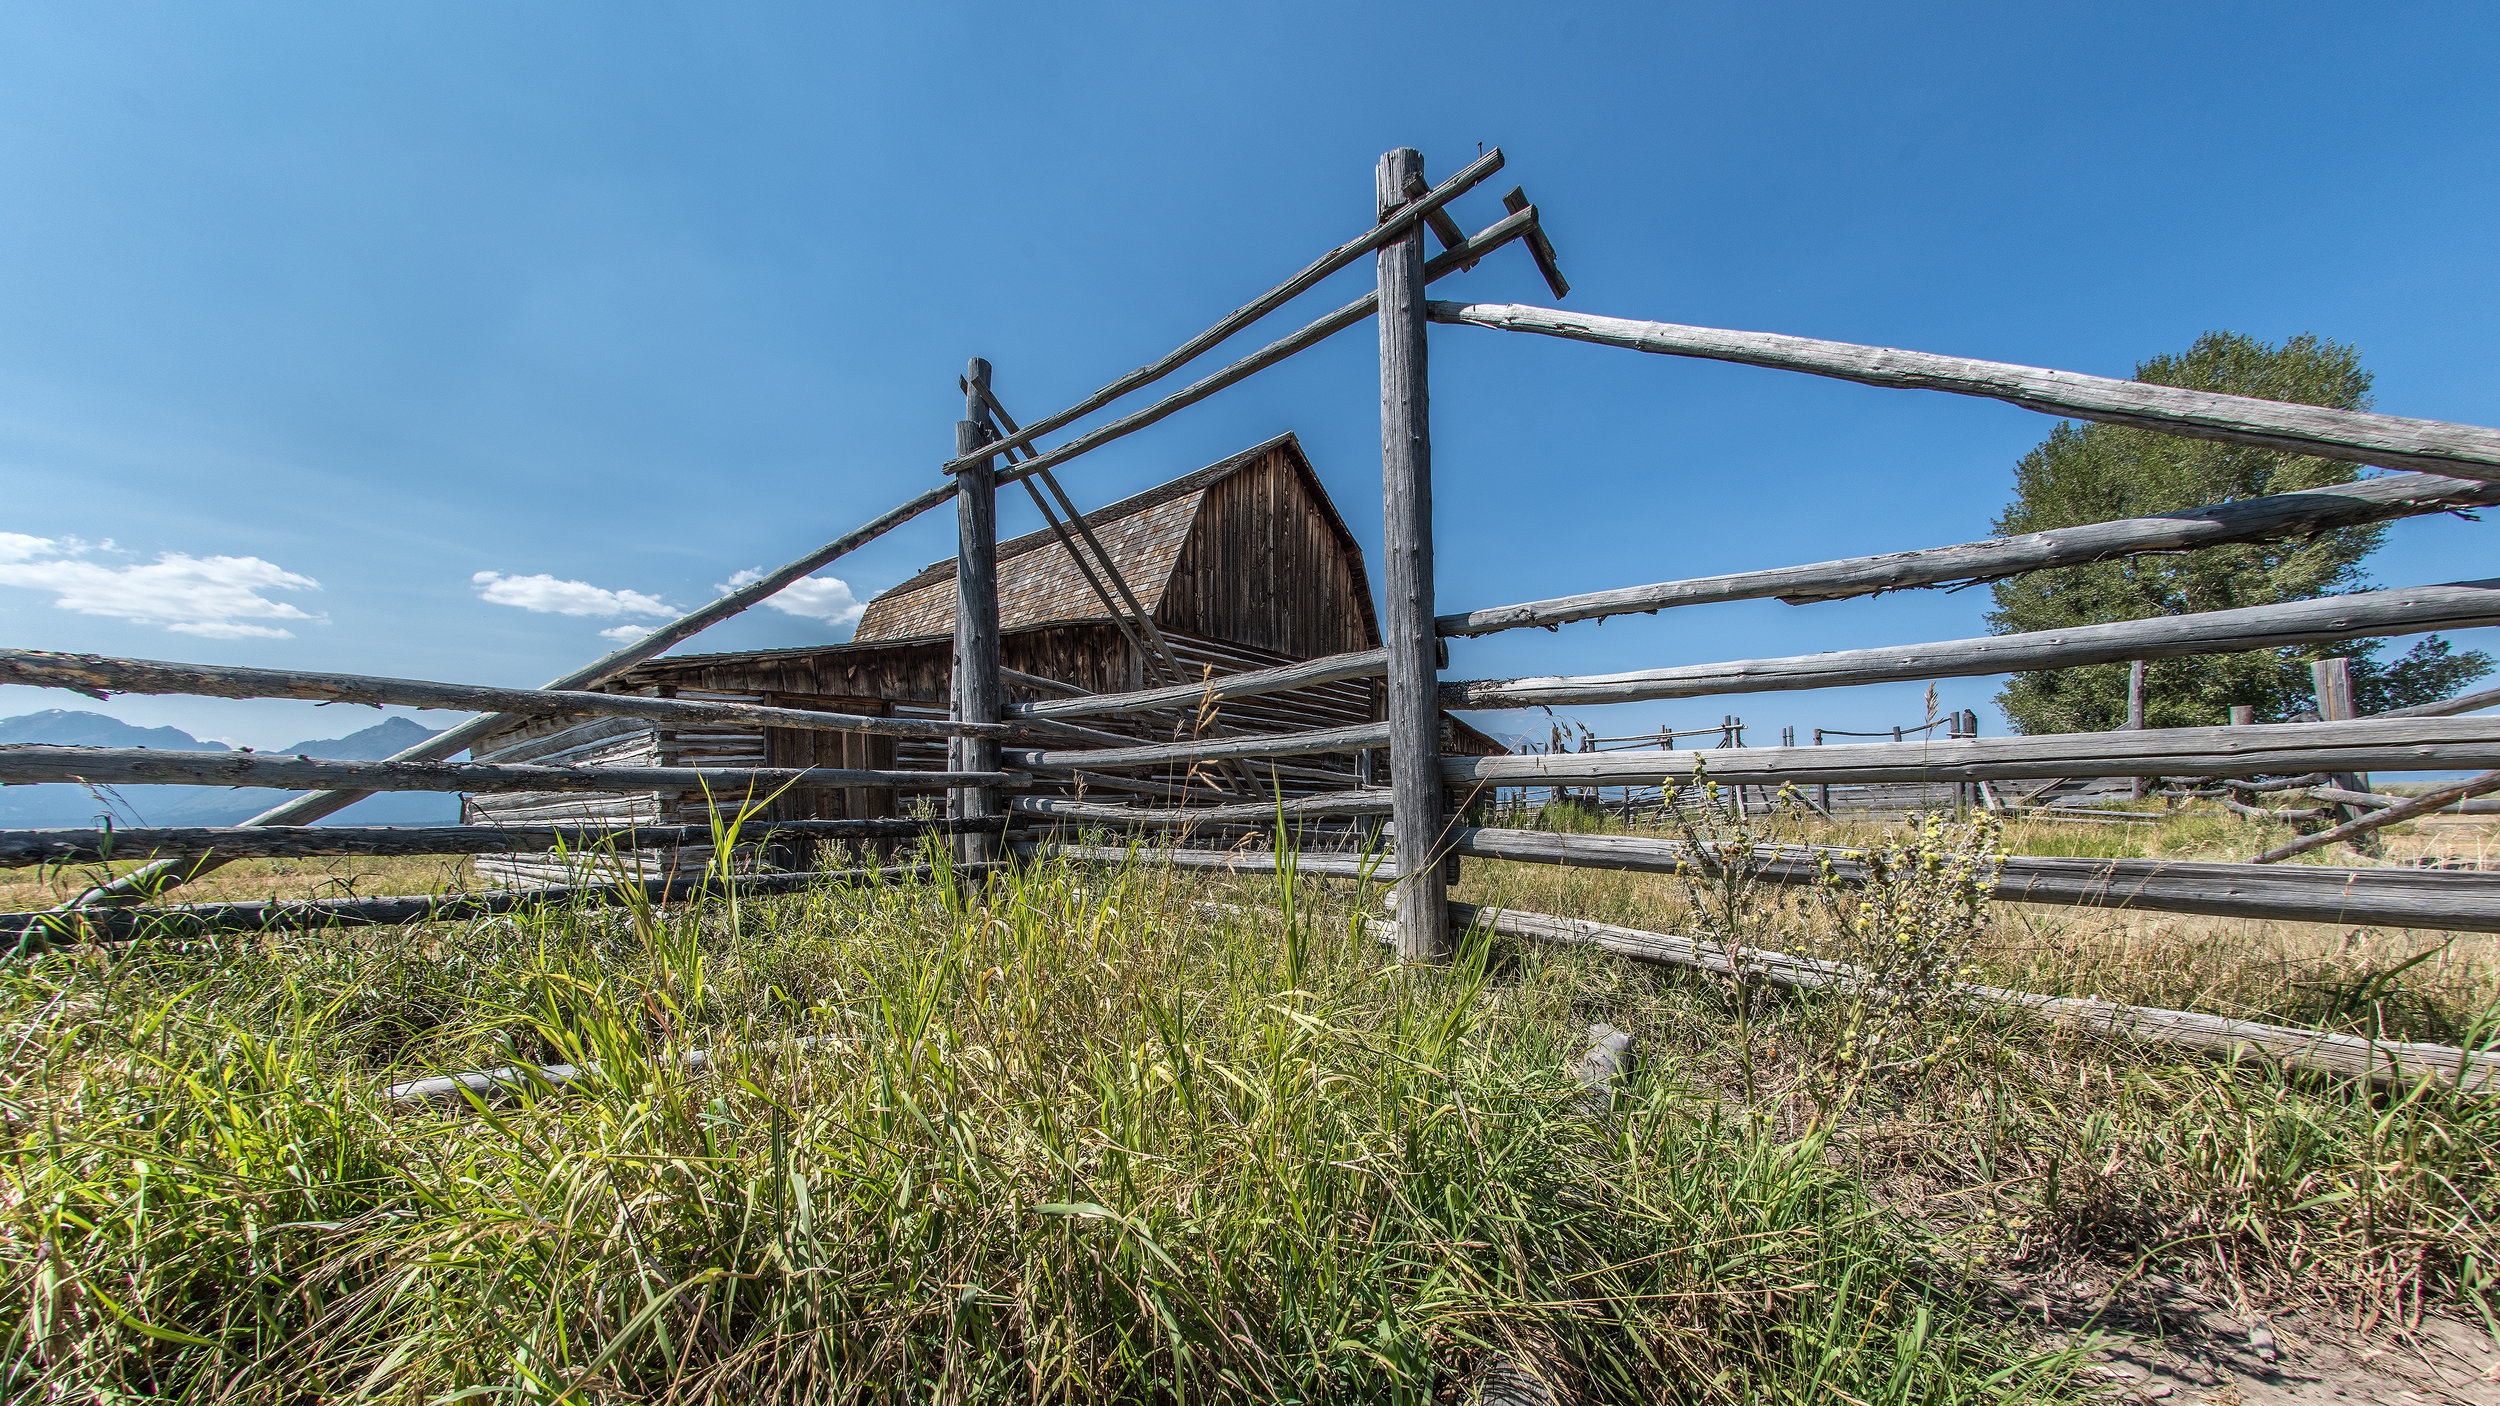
(1039, 583)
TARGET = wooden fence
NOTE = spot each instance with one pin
(994, 748)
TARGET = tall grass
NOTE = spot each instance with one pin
(1082, 1136)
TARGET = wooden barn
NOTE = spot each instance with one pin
(1243, 565)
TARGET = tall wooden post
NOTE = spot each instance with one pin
(2135, 720)
(2332, 679)
(979, 694)
(1406, 560)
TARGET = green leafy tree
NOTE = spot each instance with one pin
(2093, 473)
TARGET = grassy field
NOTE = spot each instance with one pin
(1116, 1133)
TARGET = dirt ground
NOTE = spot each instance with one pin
(2185, 1350)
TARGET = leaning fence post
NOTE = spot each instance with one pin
(2332, 679)
(1406, 559)
(979, 693)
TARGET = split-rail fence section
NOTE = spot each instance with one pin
(995, 748)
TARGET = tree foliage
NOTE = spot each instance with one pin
(2094, 473)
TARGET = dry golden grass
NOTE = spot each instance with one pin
(249, 879)
(2328, 975)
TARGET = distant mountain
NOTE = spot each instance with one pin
(59, 727)
(58, 805)
(385, 738)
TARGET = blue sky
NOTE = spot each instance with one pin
(345, 325)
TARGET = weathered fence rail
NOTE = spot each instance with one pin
(2321, 1051)
(22, 764)
(1273, 744)
(2368, 744)
(2274, 518)
(98, 676)
(2353, 436)
(37, 931)
(1219, 688)
(23, 848)
(2410, 610)
(2392, 897)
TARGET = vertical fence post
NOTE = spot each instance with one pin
(2332, 678)
(1406, 561)
(979, 694)
(1823, 790)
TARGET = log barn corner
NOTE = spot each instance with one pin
(1244, 564)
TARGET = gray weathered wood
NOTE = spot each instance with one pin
(2379, 801)
(140, 766)
(1247, 861)
(1337, 803)
(2384, 744)
(1414, 726)
(21, 848)
(2409, 610)
(2331, 681)
(2388, 897)
(1261, 744)
(1300, 340)
(1335, 668)
(304, 810)
(2403, 810)
(31, 932)
(520, 1079)
(2321, 1051)
(99, 676)
(1540, 248)
(980, 695)
(2274, 518)
(1467, 179)
(2447, 707)
(2354, 436)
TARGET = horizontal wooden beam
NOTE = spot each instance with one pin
(2447, 707)
(1246, 861)
(98, 676)
(2354, 436)
(2272, 518)
(2459, 793)
(1367, 801)
(2409, 610)
(140, 766)
(23, 848)
(2347, 1055)
(519, 1079)
(2389, 897)
(1268, 744)
(25, 933)
(2366, 744)
(1334, 668)
(2375, 801)
(1394, 227)
(1300, 340)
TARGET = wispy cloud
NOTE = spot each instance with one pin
(212, 597)
(826, 598)
(626, 634)
(550, 596)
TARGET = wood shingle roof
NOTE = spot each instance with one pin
(1039, 583)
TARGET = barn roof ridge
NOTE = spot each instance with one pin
(1196, 480)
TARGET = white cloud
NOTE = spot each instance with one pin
(549, 596)
(826, 598)
(213, 597)
(17, 546)
(626, 634)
